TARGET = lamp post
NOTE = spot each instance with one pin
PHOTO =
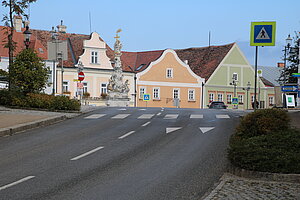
(286, 48)
(134, 71)
(54, 36)
(247, 89)
(234, 83)
(27, 35)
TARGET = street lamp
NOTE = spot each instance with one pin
(286, 48)
(27, 35)
(247, 89)
(134, 71)
(234, 83)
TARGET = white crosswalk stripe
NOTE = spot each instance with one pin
(171, 116)
(146, 116)
(95, 116)
(120, 116)
(196, 116)
(222, 116)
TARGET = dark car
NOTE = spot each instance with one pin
(217, 105)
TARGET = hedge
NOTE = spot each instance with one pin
(42, 101)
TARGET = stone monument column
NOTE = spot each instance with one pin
(117, 89)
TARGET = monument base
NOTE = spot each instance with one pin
(118, 100)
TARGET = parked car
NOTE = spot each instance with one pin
(217, 105)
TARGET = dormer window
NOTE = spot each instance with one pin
(94, 57)
(169, 73)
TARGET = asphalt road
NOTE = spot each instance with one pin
(116, 153)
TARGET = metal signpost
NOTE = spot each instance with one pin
(262, 34)
(146, 97)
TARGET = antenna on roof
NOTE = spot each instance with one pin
(90, 17)
(209, 39)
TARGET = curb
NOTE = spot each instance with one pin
(265, 176)
(23, 127)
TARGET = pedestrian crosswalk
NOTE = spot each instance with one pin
(150, 116)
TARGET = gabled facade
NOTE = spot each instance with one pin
(169, 81)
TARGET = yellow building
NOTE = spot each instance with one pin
(166, 79)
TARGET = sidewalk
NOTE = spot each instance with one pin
(18, 120)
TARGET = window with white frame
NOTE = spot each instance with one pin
(235, 77)
(241, 98)
(142, 92)
(211, 97)
(252, 98)
(94, 57)
(49, 76)
(191, 94)
(85, 87)
(169, 73)
(156, 93)
(65, 86)
(103, 88)
(229, 98)
(176, 93)
(220, 97)
(271, 100)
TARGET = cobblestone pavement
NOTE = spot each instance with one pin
(236, 188)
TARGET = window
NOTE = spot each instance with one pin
(220, 97)
(252, 98)
(142, 92)
(65, 86)
(85, 87)
(169, 73)
(156, 93)
(176, 94)
(229, 98)
(49, 76)
(241, 98)
(235, 77)
(103, 88)
(211, 97)
(94, 57)
(191, 95)
(271, 101)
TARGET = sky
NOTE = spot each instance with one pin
(160, 24)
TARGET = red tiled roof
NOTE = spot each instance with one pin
(139, 61)
(203, 61)
(19, 39)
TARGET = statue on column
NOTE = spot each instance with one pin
(117, 89)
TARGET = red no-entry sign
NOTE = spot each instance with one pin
(81, 76)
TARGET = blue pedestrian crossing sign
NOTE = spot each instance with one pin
(262, 33)
(235, 100)
(146, 97)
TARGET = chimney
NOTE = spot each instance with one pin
(280, 65)
(62, 28)
(18, 23)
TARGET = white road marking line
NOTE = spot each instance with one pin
(147, 123)
(95, 116)
(120, 116)
(142, 109)
(206, 129)
(169, 130)
(158, 114)
(127, 134)
(146, 116)
(222, 116)
(17, 182)
(122, 109)
(87, 153)
(196, 116)
(171, 116)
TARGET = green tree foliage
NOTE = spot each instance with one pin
(28, 73)
(292, 59)
(16, 7)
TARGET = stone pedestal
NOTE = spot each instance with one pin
(118, 100)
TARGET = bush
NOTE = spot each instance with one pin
(278, 152)
(263, 122)
(42, 101)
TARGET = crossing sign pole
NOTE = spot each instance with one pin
(262, 34)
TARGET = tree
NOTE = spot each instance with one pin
(28, 73)
(16, 7)
(292, 60)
